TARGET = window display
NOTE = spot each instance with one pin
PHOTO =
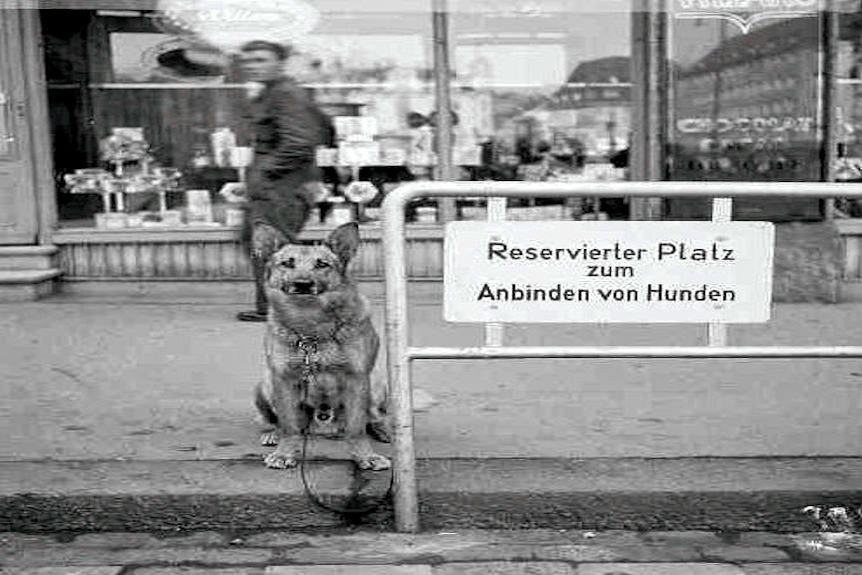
(138, 68)
(540, 94)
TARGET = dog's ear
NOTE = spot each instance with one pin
(267, 240)
(344, 241)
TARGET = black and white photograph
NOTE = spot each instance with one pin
(430, 287)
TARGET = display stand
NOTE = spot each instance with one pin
(118, 184)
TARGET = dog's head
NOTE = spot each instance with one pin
(324, 406)
(308, 272)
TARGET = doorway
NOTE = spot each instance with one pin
(18, 208)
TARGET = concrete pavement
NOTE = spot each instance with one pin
(131, 409)
(468, 552)
(165, 378)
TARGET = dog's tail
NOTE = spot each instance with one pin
(264, 407)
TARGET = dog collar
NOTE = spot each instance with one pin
(304, 342)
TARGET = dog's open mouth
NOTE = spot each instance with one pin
(303, 287)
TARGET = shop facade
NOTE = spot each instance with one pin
(120, 128)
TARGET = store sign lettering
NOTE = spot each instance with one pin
(802, 124)
(237, 15)
(226, 18)
(211, 20)
(745, 13)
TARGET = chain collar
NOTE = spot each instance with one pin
(309, 343)
(309, 347)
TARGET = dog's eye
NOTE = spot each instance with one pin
(320, 264)
(288, 263)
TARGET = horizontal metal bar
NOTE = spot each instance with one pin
(398, 198)
(525, 352)
(163, 86)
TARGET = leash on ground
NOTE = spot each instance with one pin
(309, 346)
(351, 509)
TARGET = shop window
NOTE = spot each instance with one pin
(547, 93)
(541, 90)
(847, 116)
(757, 118)
(385, 77)
(123, 73)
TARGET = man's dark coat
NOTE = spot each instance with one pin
(285, 127)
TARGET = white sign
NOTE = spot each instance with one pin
(600, 271)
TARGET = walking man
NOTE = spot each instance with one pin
(285, 126)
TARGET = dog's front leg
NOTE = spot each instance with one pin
(356, 408)
(378, 423)
(287, 404)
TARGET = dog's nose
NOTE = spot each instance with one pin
(324, 412)
(303, 287)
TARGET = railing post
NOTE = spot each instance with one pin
(496, 213)
(405, 497)
(722, 211)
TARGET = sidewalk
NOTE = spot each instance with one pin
(535, 552)
(123, 412)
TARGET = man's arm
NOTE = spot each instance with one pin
(298, 131)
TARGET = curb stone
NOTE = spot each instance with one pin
(351, 570)
(60, 571)
(85, 557)
(658, 569)
(146, 540)
(372, 547)
(477, 568)
(802, 569)
(197, 571)
(534, 552)
(500, 568)
(733, 554)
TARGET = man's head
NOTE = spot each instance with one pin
(262, 61)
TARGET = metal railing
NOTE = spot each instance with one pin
(401, 354)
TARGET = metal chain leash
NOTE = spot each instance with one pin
(309, 348)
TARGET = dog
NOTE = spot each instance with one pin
(320, 349)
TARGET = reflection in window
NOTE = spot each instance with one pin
(519, 65)
(729, 132)
(847, 116)
(745, 109)
(556, 83)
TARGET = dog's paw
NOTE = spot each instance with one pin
(276, 460)
(269, 438)
(374, 462)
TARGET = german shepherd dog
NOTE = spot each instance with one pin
(320, 349)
